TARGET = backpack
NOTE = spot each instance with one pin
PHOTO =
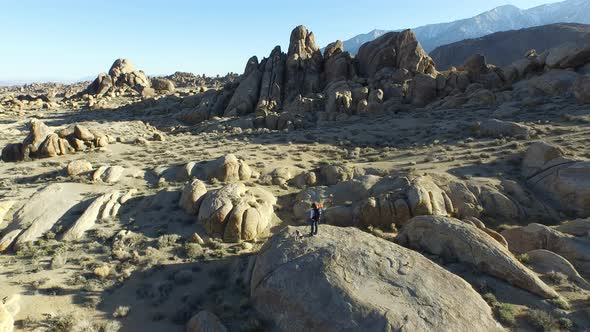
(317, 213)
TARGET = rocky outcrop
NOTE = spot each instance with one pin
(536, 236)
(40, 213)
(163, 85)
(383, 201)
(226, 168)
(103, 207)
(273, 80)
(455, 240)
(303, 65)
(236, 213)
(42, 142)
(246, 95)
(348, 280)
(122, 74)
(564, 181)
(191, 197)
(394, 50)
(545, 261)
(338, 65)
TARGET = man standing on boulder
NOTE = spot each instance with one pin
(315, 214)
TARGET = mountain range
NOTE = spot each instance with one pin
(502, 18)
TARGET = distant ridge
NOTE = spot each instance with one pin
(502, 18)
(503, 48)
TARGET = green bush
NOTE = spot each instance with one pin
(566, 324)
(505, 314)
(541, 320)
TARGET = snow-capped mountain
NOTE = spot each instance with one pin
(502, 18)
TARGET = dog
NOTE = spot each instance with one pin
(299, 235)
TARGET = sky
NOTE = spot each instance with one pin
(46, 40)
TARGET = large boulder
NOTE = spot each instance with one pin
(38, 133)
(536, 236)
(338, 65)
(303, 65)
(236, 213)
(581, 89)
(163, 85)
(564, 181)
(422, 89)
(40, 213)
(553, 82)
(348, 280)
(226, 168)
(192, 194)
(394, 50)
(545, 261)
(568, 55)
(499, 128)
(458, 241)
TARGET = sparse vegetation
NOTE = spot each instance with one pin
(542, 320)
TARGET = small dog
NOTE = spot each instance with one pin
(298, 234)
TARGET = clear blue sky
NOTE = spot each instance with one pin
(72, 39)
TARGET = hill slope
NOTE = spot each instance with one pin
(503, 48)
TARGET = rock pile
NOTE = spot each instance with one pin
(121, 76)
(42, 142)
(232, 212)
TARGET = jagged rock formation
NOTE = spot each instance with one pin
(348, 280)
(43, 143)
(455, 240)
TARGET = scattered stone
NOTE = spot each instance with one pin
(78, 167)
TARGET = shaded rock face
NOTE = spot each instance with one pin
(455, 240)
(581, 89)
(246, 95)
(338, 65)
(273, 78)
(205, 321)
(576, 249)
(564, 181)
(394, 50)
(121, 74)
(303, 65)
(348, 280)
